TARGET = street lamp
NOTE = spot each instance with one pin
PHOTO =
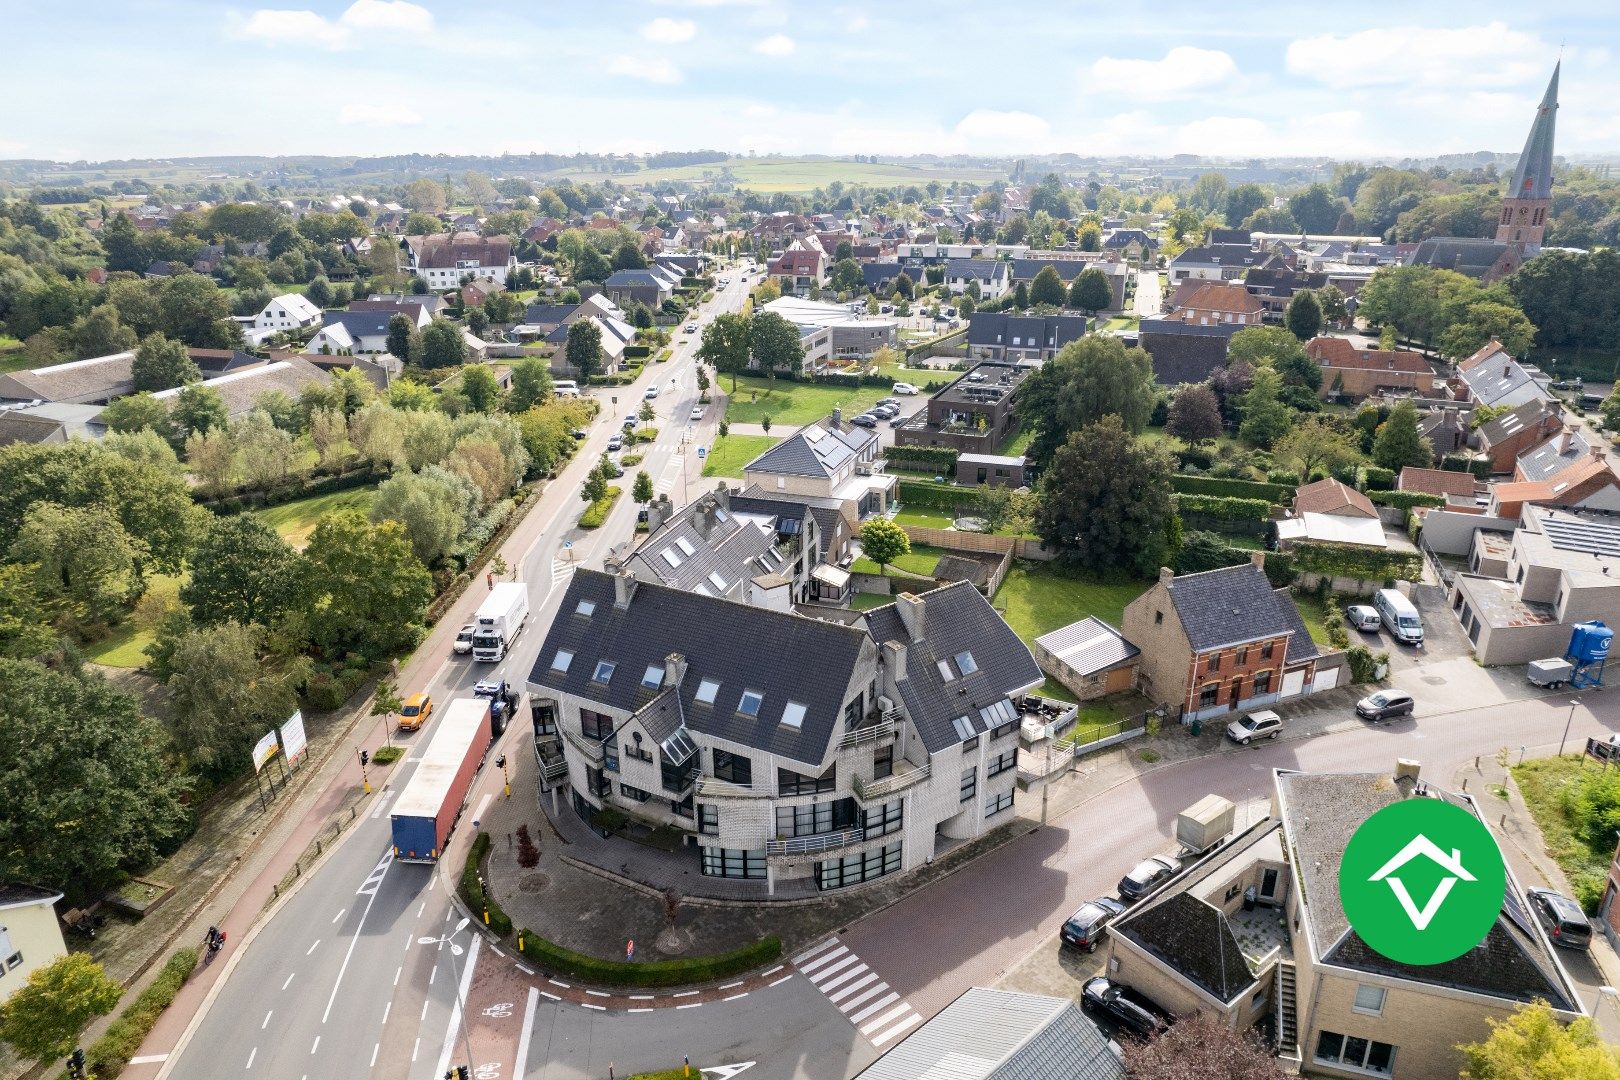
(455, 970)
(1567, 723)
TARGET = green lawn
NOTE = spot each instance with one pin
(925, 518)
(1036, 598)
(730, 453)
(922, 560)
(866, 601)
(1020, 443)
(1313, 612)
(12, 357)
(792, 405)
(126, 646)
(296, 520)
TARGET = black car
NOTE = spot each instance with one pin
(1385, 705)
(1562, 917)
(1124, 1006)
(1084, 929)
(1145, 875)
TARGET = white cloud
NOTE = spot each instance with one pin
(655, 71)
(988, 129)
(855, 19)
(757, 111)
(777, 45)
(379, 115)
(1489, 55)
(710, 3)
(1183, 70)
(282, 26)
(669, 31)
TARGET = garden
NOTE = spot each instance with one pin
(1576, 804)
(730, 453)
(794, 404)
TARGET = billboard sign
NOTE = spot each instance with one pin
(265, 750)
(293, 741)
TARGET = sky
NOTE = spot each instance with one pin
(154, 78)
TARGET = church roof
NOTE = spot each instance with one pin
(1532, 179)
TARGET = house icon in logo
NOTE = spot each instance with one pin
(1452, 864)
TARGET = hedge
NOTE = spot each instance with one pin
(632, 351)
(933, 496)
(558, 960)
(1357, 562)
(473, 893)
(1405, 500)
(1223, 507)
(1234, 489)
(935, 459)
(597, 512)
(1375, 478)
(109, 1054)
(1480, 467)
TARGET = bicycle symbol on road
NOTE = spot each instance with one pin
(499, 1011)
(489, 1070)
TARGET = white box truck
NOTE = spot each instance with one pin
(499, 620)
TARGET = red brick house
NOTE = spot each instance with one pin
(1216, 303)
(1505, 437)
(1360, 373)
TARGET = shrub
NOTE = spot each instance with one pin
(1352, 561)
(326, 691)
(109, 1054)
(1283, 477)
(1223, 507)
(597, 512)
(1231, 487)
(387, 755)
(933, 496)
(558, 960)
(1405, 500)
(1364, 663)
(473, 892)
(1480, 467)
(1193, 456)
(1377, 478)
(924, 458)
(1333, 623)
(1280, 569)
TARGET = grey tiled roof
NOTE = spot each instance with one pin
(735, 549)
(785, 657)
(1553, 456)
(361, 323)
(1184, 352)
(102, 377)
(14, 894)
(957, 619)
(1503, 382)
(1499, 429)
(1236, 604)
(817, 450)
(999, 328)
(1089, 646)
(1466, 255)
(1193, 938)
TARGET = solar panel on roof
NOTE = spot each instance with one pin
(1513, 909)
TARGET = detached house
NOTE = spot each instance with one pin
(1360, 373)
(649, 287)
(287, 312)
(443, 259)
(1223, 641)
(1214, 303)
(992, 276)
(1492, 377)
(831, 460)
(799, 269)
(701, 714)
(1504, 438)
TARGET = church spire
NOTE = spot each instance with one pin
(1529, 197)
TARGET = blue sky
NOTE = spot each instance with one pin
(147, 78)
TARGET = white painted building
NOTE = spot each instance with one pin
(289, 311)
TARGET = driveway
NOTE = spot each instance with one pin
(1149, 293)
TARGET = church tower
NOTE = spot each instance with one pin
(1529, 199)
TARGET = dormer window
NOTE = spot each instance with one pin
(965, 663)
(752, 701)
(560, 662)
(653, 677)
(604, 672)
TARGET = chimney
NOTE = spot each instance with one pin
(911, 609)
(1166, 575)
(894, 658)
(659, 511)
(1258, 558)
(722, 495)
(703, 520)
(1407, 772)
(674, 669)
(1506, 371)
(624, 587)
(838, 417)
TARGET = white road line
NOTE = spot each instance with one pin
(289, 981)
(598, 993)
(340, 914)
(432, 881)
(423, 1017)
(641, 997)
(691, 1005)
(731, 985)
(782, 980)
(375, 1047)
(888, 1017)
(397, 973)
(642, 1009)
(417, 1045)
(251, 1055)
(866, 996)
(526, 971)
(588, 1005)
(387, 1005)
(410, 939)
(734, 997)
(434, 974)
(312, 947)
(387, 863)
(871, 977)
(421, 908)
(521, 1066)
(823, 947)
(820, 960)
(558, 982)
(837, 965)
(553, 997)
(316, 1045)
(772, 971)
(852, 973)
(497, 949)
(685, 993)
(897, 1029)
(149, 1059)
(455, 1008)
(267, 1017)
(873, 1009)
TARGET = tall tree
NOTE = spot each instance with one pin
(482, 389)
(1304, 315)
(1315, 208)
(776, 344)
(727, 345)
(1265, 417)
(101, 333)
(136, 412)
(161, 364)
(1047, 288)
(531, 384)
(242, 571)
(1091, 291)
(1399, 442)
(366, 589)
(1090, 378)
(443, 345)
(102, 779)
(225, 690)
(883, 541)
(431, 507)
(1195, 414)
(584, 349)
(1244, 200)
(83, 559)
(1315, 441)
(25, 624)
(404, 341)
(197, 410)
(1105, 499)
(642, 493)
(44, 1016)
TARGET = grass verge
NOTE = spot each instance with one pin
(1555, 790)
(730, 453)
(558, 960)
(126, 646)
(597, 512)
(109, 1054)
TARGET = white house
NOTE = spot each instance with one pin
(443, 259)
(289, 311)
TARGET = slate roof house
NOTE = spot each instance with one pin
(81, 382)
(1569, 447)
(1025, 269)
(704, 715)
(708, 547)
(1257, 932)
(648, 287)
(1495, 378)
(1215, 262)
(995, 335)
(443, 259)
(831, 460)
(1503, 438)
(993, 277)
(1184, 352)
(1223, 641)
(1447, 429)
(355, 332)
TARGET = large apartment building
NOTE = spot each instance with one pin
(808, 755)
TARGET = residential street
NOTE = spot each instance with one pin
(1149, 293)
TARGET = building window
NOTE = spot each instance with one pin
(682, 807)
(1214, 662)
(595, 725)
(814, 819)
(604, 672)
(970, 744)
(1242, 657)
(708, 819)
(610, 757)
(1007, 759)
(634, 793)
(854, 869)
(883, 820)
(14, 961)
(733, 768)
(1355, 1052)
(1369, 1000)
(734, 863)
(970, 783)
(1208, 694)
(1262, 683)
(677, 778)
(752, 701)
(634, 749)
(1004, 730)
(995, 804)
(1267, 649)
(883, 762)
(789, 782)
(707, 689)
(1158, 618)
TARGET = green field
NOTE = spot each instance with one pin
(1036, 598)
(296, 520)
(1549, 787)
(792, 405)
(922, 560)
(730, 453)
(1313, 612)
(126, 646)
(799, 174)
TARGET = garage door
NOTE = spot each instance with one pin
(1293, 683)
(1326, 680)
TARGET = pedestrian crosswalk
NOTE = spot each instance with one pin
(561, 569)
(865, 1000)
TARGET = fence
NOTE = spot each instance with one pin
(1106, 735)
(1020, 547)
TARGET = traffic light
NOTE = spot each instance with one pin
(365, 759)
(75, 1064)
(500, 762)
(461, 1072)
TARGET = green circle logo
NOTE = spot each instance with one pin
(1422, 881)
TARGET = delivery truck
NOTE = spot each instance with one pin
(427, 809)
(500, 618)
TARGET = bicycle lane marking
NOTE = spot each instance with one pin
(497, 1004)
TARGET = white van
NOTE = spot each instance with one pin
(1399, 616)
(565, 388)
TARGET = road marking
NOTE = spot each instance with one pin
(397, 973)
(869, 979)
(691, 1005)
(521, 1067)
(421, 908)
(423, 1017)
(782, 980)
(837, 965)
(382, 806)
(386, 1006)
(898, 1011)
(732, 985)
(417, 1045)
(251, 1055)
(772, 971)
(734, 997)
(897, 1029)
(374, 1048)
(642, 1009)
(340, 914)
(312, 947)
(820, 960)
(434, 974)
(526, 971)
(685, 993)
(387, 861)
(315, 1045)
(267, 1017)
(149, 1059)
(455, 1008)
(558, 982)
(868, 995)
(641, 997)
(483, 804)
(598, 993)
(553, 997)
(497, 949)
(432, 881)
(854, 972)
(289, 981)
(588, 1005)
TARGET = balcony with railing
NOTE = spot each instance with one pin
(905, 775)
(712, 787)
(873, 734)
(555, 769)
(589, 747)
(813, 845)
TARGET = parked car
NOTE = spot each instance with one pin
(864, 420)
(1562, 918)
(1145, 875)
(464, 639)
(905, 388)
(629, 422)
(1363, 617)
(652, 392)
(1084, 929)
(1385, 705)
(697, 413)
(1264, 724)
(890, 401)
(1399, 616)
(1124, 1006)
(415, 711)
(615, 443)
(884, 412)
(579, 433)
(691, 328)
